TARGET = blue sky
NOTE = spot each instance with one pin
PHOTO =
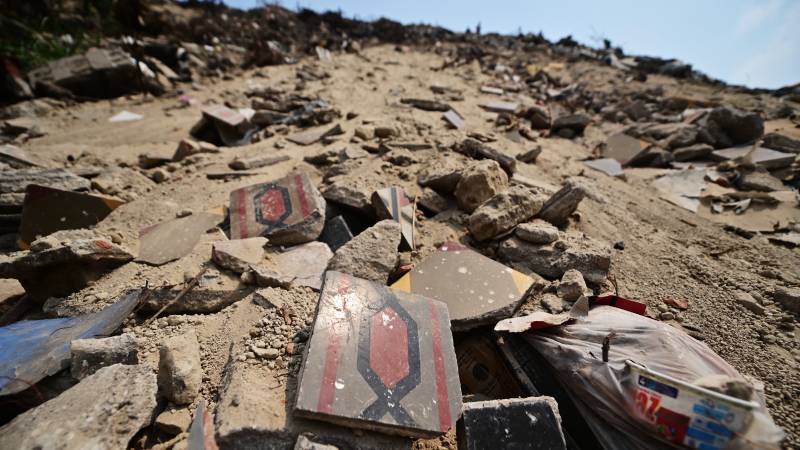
(749, 42)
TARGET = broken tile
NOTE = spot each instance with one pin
(301, 265)
(476, 289)
(478, 150)
(425, 105)
(393, 203)
(125, 116)
(15, 157)
(454, 119)
(173, 239)
(256, 161)
(309, 137)
(201, 432)
(336, 233)
(532, 422)
(89, 355)
(287, 211)
(624, 148)
(380, 359)
(500, 107)
(562, 204)
(609, 166)
(46, 348)
(372, 254)
(221, 125)
(238, 255)
(761, 156)
(18, 180)
(47, 210)
(491, 90)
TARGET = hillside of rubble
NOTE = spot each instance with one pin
(224, 228)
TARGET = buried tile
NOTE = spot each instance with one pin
(393, 203)
(476, 289)
(609, 166)
(15, 157)
(760, 156)
(287, 211)
(380, 359)
(624, 148)
(532, 422)
(309, 137)
(454, 119)
(173, 239)
(500, 107)
(201, 432)
(47, 210)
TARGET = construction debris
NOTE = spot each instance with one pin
(511, 423)
(476, 289)
(388, 333)
(174, 239)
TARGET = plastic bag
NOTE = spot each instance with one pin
(649, 395)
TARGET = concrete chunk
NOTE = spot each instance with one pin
(238, 255)
(478, 183)
(89, 355)
(371, 255)
(104, 411)
(503, 212)
(179, 370)
(562, 204)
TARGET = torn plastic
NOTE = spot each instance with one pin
(659, 388)
(33, 349)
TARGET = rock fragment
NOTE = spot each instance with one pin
(478, 150)
(238, 254)
(503, 212)
(571, 125)
(89, 355)
(537, 231)
(750, 303)
(776, 141)
(729, 126)
(336, 233)
(572, 286)
(81, 418)
(189, 147)
(562, 204)
(478, 183)
(173, 421)
(371, 255)
(692, 152)
(301, 265)
(788, 298)
(432, 201)
(179, 371)
(586, 255)
(531, 155)
(442, 174)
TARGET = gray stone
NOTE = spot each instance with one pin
(609, 166)
(537, 231)
(174, 421)
(781, 143)
(336, 233)
(302, 265)
(730, 126)
(682, 137)
(554, 304)
(443, 174)
(562, 204)
(750, 303)
(17, 180)
(179, 372)
(89, 355)
(788, 298)
(503, 212)
(572, 286)
(636, 110)
(189, 147)
(372, 255)
(432, 201)
(692, 152)
(573, 122)
(104, 411)
(238, 255)
(478, 150)
(478, 183)
(539, 117)
(586, 255)
(759, 180)
(530, 155)
(531, 423)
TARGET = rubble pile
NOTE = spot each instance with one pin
(455, 240)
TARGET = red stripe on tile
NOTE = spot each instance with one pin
(301, 194)
(442, 398)
(327, 389)
(241, 202)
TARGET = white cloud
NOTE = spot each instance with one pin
(755, 16)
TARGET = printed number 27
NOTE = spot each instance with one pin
(647, 404)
